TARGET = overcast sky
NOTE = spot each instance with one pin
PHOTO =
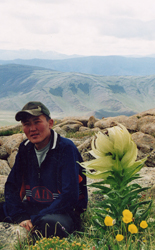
(84, 27)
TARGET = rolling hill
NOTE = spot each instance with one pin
(74, 94)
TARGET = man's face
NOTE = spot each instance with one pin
(37, 130)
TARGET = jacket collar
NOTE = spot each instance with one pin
(54, 140)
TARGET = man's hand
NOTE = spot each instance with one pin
(27, 224)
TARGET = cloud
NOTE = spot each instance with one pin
(78, 26)
(128, 28)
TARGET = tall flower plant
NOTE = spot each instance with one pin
(115, 167)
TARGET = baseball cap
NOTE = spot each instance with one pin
(32, 108)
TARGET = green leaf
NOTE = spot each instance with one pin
(98, 175)
(145, 214)
(103, 188)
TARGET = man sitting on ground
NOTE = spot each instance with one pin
(47, 173)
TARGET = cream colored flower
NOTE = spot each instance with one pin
(114, 152)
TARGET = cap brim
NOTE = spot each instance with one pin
(22, 114)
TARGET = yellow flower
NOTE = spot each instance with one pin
(78, 244)
(119, 237)
(127, 213)
(108, 221)
(143, 224)
(127, 216)
(127, 220)
(132, 229)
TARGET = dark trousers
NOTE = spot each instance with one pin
(50, 224)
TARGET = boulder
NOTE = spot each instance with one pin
(131, 123)
(3, 152)
(91, 122)
(71, 127)
(11, 234)
(4, 167)
(111, 121)
(82, 119)
(60, 131)
(83, 128)
(3, 179)
(12, 142)
(11, 158)
(151, 159)
(146, 124)
(68, 122)
(144, 142)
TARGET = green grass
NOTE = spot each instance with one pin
(79, 135)
(10, 132)
(98, 239)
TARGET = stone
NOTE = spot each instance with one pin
(82, 119)
(11, 234)
(71, 127)
(3, 152)
(3, 179)
(12, 142)
(131, 123)
(144, 142)
(83, 128)
(4, 167)
(111, 121)
(146, 124)
(85, 145)
(11, 158)
(91, 122)
(151, 159)
(68, 122)
(60, 131)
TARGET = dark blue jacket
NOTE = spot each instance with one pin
(57, 186)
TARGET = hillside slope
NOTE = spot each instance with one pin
(99, 65)
(75, 93)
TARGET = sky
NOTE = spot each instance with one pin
(82, 27)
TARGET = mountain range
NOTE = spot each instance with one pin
(74, 94)
(98, 65)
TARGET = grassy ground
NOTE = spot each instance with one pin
(98, 239)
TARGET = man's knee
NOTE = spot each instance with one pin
(56, 224)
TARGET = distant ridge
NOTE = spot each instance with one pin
(97, 65)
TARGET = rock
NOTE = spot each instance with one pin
(3, 179)
(144, 142)
(12, 142)
(131, 123)
(151, 159)
(85, 145)
(60, 131)
(110, 122)
(82, 129)
(91, 122)
(84, 149)
(68, 122)
(82, 119)
(10, 234)
(146, 124)
(71, 127)
(4, 167)
(3, 153)
(11, 158)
